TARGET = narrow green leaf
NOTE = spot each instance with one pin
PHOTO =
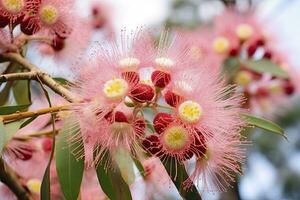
(7, 132)
(140, 167)
(69, 169)
(62, 81)
(231, 66)
(45, 187)
(265, 66)
(6, 110)
(264, 124)
(178, 175)
(28, 121)
(4, 93)
(125, 163)
(111, 181)
(21, 91)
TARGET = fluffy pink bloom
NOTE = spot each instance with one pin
(222, 162)
(203, 109)
(72, 46)
(201, 49)
(169, 56)
(206, 88)
(50, 17)
(104, 83)
(12, 12)
(236, 26)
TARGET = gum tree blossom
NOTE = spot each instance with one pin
(13, 11)
(107, 84)
(50, 17)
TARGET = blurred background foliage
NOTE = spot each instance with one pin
(272, 170)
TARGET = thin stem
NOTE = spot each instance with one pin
(9, 178)
(45, 78)
(17, 76)
(22, 115)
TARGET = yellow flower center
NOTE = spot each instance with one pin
(244, 31)
(243, 78)
(129, 64)
(49, 14)
(34, 185)
(13, 6)
(221, 45)
(164, 64)
(190, 111)
(115, 89)
(175, 138)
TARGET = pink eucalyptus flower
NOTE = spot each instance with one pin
(106, 85)
(73, 45)
(203, 109)
(222, 162)
(50, 17)
(12, 12)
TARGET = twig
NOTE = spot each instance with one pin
(17, 76)
(45, 78)
(22, 115)
(9, 178)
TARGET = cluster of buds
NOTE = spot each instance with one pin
(193, 113)
(234, 40)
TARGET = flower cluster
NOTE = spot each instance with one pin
(233, 40)
(193, 113)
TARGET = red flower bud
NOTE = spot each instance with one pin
(251, 50)
(152, 145)
(58, 43)
(172, 99)
(289, 88)
(30, 26)
(4, 21)
(161, 121)
(117, 117)
(160, 79)
(142, 93)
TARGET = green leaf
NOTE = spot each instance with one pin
(28, 121)
(125, 163)
(264, 124)
(62, 81)
(140, 167)
(111, 181)
(231, 66)
(21, 91)
(69, 169)
(7, 132)
(265, 66)
(178, 175)
(45, 187)
(4, 93)
(6, 110)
